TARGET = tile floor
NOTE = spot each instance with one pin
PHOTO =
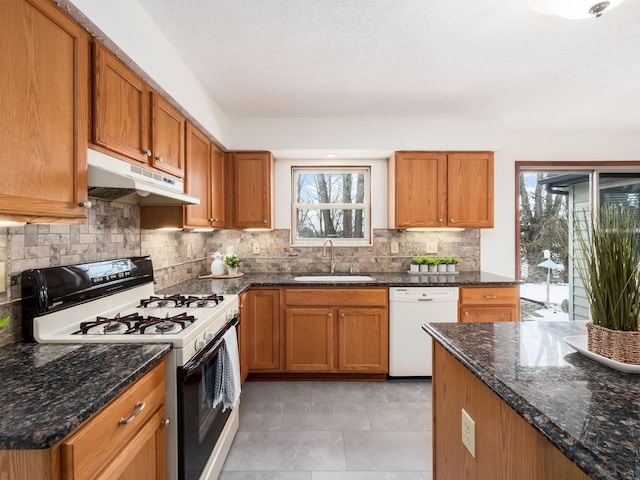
(333, 431)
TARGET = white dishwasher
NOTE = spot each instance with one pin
(409, 308)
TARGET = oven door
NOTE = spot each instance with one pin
(199, 423)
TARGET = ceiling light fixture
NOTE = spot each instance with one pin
(573, 9)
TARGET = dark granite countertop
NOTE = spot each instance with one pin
(384, 279)
(49, 390)
(590, 412)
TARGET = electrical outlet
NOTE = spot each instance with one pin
(3, 277)
(469, 433)
(431, 247)
(256, 249)
(394, 247)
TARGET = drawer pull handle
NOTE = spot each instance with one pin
(466, 314)
(490, 297)
(126, 421)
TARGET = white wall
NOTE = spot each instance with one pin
(127, 24)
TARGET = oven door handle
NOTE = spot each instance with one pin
(212, 350)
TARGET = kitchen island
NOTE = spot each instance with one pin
(541, 409)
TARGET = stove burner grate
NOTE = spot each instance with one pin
(203, 301)
(109, 325)
(166, 301)
(164, 325)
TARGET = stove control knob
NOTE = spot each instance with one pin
(200, 343)
(208, 336)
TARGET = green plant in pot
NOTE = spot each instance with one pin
(432, 263)
(451, 263)
(610, 269)
(415, 264)
(233, 263)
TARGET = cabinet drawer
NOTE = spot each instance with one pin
(86, 452)
(336, 297)
(489, 295)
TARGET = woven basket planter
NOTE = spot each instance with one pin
(621, 346)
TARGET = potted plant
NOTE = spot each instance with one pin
(609, 267)
(451, 264)
(442, 264)
(415, 264)
(432, 263)
(233, 263)
(424, 266)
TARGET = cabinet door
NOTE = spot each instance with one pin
(120, 107)
(263, 329)
(167, 132)
(419, 195)
(492, 313)
(43, 113)
(197, 175)
(363, 339)
(242, 337)
(470, 189)
(217, 187)
(309, 339)
(252, 189)
(144, 457)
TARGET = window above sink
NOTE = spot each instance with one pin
(331, 203)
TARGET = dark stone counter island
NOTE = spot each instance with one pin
(586, 411)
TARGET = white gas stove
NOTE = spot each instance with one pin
(114, 302)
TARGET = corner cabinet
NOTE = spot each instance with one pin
(253, 196)
(167, 137)
(43, 105)
(261, 317)
(339, 330)
(489, 304)
(440, 189)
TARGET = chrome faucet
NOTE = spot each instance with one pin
(324, 253)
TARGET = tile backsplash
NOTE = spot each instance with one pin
(113, 231)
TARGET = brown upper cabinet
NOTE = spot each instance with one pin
(253, 200)
(43, 105)
(132, 121)
(441, 189)
(204, 179)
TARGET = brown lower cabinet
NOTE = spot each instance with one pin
(341, 330)
(506, 446)
(135, 451)
(489, 304)
(261, 317)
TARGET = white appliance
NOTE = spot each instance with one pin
(77, 304)
(409, 308)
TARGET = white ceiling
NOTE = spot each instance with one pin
(427, 58)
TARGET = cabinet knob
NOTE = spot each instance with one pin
(466, 314)
(342, 315)
(214, 220)
(210, 219)
(165, 423)
(329, 315)
(451, 220)
(264, 221)
(86, 204)
(241, 306)
(147, 152)
(440, 220)
(159, 158)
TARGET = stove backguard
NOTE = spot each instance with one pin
(46, 290)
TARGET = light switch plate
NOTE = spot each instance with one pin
(469, 433)
(256, 249)
(3, 277)
(394, 247)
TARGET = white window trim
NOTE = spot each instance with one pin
(367, 241)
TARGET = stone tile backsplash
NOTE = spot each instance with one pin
(113, 231)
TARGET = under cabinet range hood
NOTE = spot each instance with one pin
(116, 180)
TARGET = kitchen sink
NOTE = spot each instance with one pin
(334, 278)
